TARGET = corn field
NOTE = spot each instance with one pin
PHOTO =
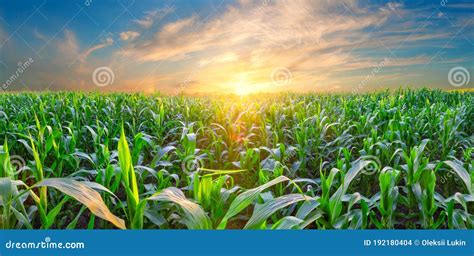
(387, 160)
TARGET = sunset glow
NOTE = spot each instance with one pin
(207, 46)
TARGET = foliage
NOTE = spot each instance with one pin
(385, 160)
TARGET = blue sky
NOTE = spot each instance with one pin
(235, 46)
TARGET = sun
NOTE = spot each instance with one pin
(242, 90)
(242, 87)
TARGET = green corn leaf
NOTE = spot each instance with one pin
(264, 211)
(84, 194)
(195, 217)
(53, 213)
(5, 191)
(307, 207)
(463, 174)
(22, 218)
(288, 222)
(125, 160)
(246, 198)
(335, 202)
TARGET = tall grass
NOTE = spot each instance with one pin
(386, 160)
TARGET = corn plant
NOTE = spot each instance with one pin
(388, 179)
(269, 161)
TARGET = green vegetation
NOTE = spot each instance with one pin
(384, 160)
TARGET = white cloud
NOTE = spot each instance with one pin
(394, 5)
(107, 42)
(68, 47)
(129, 35)
(279, 25)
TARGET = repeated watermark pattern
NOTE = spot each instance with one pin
(194, 74)
(191, 164)
(17, 163)
(444, 177)
(22, 67)
(459, 76)
(103, 76)
(375, 70)
(281, 76)
(443, 2)
(88, 2)
(373, 166)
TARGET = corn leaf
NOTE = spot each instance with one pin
(84, 194)
(195, 217)
(263, 212)
(462, 173)
(246, 198)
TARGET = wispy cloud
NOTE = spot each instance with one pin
(107, 42)
(282, 24)
(68, 47)
(153, 17)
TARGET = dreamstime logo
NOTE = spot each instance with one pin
(191, 78)
(377, 68)
(444, 178)
(459, 76)
(17, 163)
(281, 76)
(22, 67)
(47, 243)
(373, 166)
(103, 76)
(443, 2)
(191, 164)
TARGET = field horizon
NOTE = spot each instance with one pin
(233, 94)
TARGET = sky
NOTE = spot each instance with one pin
(241, 47)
